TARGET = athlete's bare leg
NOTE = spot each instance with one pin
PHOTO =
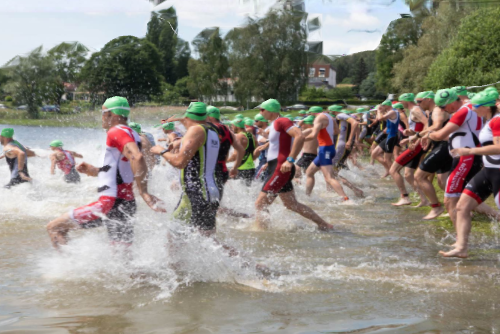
(486, 210)
(291, 203)
(358, 192)
(262, 204)
(233, 213)
(451, 206)
(410, 178)
(400, 183)
(377, 154)
(328, 174)
(58, 230)
(442, 180)
(422, 179)
(463, 226)
(310, 180)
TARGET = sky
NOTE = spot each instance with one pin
(348, 26)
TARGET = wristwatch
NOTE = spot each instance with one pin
(290, 159)
(164, 151)
(418, 135)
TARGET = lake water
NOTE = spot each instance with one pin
(381, 275)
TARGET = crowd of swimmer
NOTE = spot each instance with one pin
(444, 133)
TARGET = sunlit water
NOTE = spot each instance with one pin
(380, 274)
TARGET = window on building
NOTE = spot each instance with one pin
(312, 72)
(322, 72)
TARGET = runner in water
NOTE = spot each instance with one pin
(377, 153)
(246, 171)
(411, 157)
(391, 116)
(197, 160)
(171, 135)
(260, 152)
(65, 161)
(485, 182)
(324, 131)
(285, 143)
(222, 174)
(146, 145)
(309, 150)
(16, 156)
(437, 161)
(462, 131)
(123, 162)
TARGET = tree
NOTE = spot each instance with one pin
(472, 56)
(312, 94)
(126, 66)
(361, 72)
(340, 93)
(368, 87)
(31, 78)
(438, 31)
(268, 58)
(68, 59)
(175, 52)
(400, 34)
(346, 66)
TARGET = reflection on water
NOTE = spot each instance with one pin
(379, 274)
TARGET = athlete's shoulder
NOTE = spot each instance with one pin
(460, 116)
(494, 125)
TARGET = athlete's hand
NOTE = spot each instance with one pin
(157, 149)
(425, 143)
(407, 132)
(458, 152)
(154, 202)
(233, 173)
(88, 169)
(348, 146)
(24, 177)
(286, 167)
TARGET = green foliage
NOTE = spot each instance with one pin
(472, 57)
(32, 79)
(347, 66)
(312, 94)
(438, 31)
(400, 34)
(368, 87)
(361, 72)
(347, 81)
(8, 98)
(340, 93)
(268, 58)
(127, 66)
(174, 51)
(173, 95)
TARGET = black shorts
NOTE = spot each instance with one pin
(278, 182)
(221, 178)
(72, 176)
(411, 158)
(483, 184)
(388, 144)
(381, 136)
(247, 175)
(305, 160)
(118, 221)
(463, 169)
(438, 160)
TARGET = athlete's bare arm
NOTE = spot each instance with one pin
(298, 142)
(53, 160)
(239, 151)
(21, 156)
(320, 123)
(354, 132)
(30, 153)
(243, 141)
(192, 141)
(76, 154)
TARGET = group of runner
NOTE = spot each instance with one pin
(444, 134)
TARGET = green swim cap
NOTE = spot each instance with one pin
(135, 126)
(117, 105)
(398, 106)
(302, 112)
(486, 98)
(335, 107)
(260, 118)
(407, 97)
(309, 119)
(491, 88)
(445, 96)
(360, 110)
(213, 112)
(316, 109)
(56, 143)
(288, 115)
(471, 95)
(271, 105)
(249, 122)
(290, 118)
(197, 111)
(168, 126)
(387, 103)
(239, 116)
(7, 133)
(239, 123)
(461, 90)
(426, 95)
